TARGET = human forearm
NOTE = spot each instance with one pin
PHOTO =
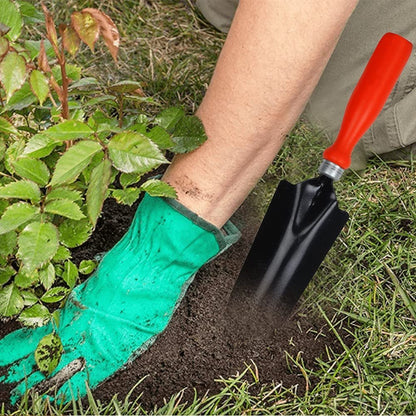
(271, 62)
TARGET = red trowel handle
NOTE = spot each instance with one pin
(370, 94)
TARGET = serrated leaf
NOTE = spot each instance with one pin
(63, 193)
(189, 133)
(161, 137)
(86, 27)
(133, 152)
(126, 196)
(33, 169)
(55, 294)
(11, 302)
(17, 215)
(12, 73)
(99, 181)
(29, 298)
(65, 208)
(37, 315)
(10, 16)
(73, 161)
(127, 179)
(6, 273)
(38, 243)
(62, 254)
(156, 187)
(87, 266)
(21, 99)
(68, 130)
(74, 233)
(40, 85)
(169, 118)
(108, 30)
(13, 152)
(70, 274)
(48, 353)
(25, 280)
(21, 190)
(70, 40)
(40, 145)
(30, 13)
(8, 243)
(6, 127)
(87, 83)
(124, 87)
(50, 26)
(47, 276)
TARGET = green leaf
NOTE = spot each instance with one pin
(127, 179)
(68, 130)
(25, 280)
(21, 190)
(30, 14)
(11, 302)
(47, 276)
(127, 196)
(73, 161)
(13, 152)
(33, 48)
(17, 215)
(156, 187)
(6, 273)
(38, 243)
(65, 208)
(29, 298)
(125, 86)
(189, 134)
(85, 84)
(12, 73)
(73, 233)
(40, 145)
(21, 99)
(48, 353)
(37, 315)
(33, 169)
(62, 254)
(134, 152)
(169, 118)
(40, 85)
(10, 16)
(8, 243)
(99, 181)
(70, 274)
(6, 127)
(63, 193)
(87, 266)
(55, 294)
(161, 137)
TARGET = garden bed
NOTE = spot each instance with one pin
(202, 342)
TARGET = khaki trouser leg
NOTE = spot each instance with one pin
(393, 135)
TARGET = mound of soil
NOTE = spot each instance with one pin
(205, 338)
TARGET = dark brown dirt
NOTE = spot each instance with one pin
(205, 341)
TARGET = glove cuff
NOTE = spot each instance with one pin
(225, 237)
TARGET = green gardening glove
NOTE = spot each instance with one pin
(118, 312)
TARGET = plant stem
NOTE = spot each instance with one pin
(65, 84)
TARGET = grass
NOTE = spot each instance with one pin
(365, 290)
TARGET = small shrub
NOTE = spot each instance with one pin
(62, 153)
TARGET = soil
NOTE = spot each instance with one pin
(206, 339)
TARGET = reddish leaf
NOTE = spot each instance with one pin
(43, 59)
(50, 29)
(70, 40)
(57, 88)
(4, 46)
(86, 27)
(108, 30)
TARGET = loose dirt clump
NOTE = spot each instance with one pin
(205, 339)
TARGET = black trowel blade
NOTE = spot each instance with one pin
(300, 226)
